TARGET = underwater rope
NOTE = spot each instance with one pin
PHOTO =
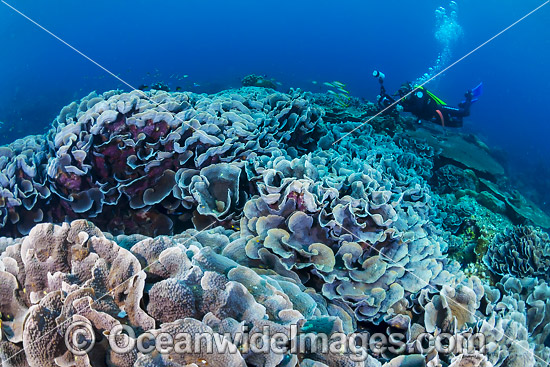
(157, 104)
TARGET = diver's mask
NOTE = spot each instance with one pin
(405, 89)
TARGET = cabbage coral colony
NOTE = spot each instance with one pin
(205, 213)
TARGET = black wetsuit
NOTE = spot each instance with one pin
(421, 104)
(424, 106)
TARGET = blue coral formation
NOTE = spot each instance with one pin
(183, 212)
(521, 251)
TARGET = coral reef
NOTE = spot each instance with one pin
(360, 248)
(134, 155)
(521, 251)
(463, 150)
(521, 209)
(261, 81)
(185, 284)
(521, 256)
(528, 297)
(23, 183)
(244, 210)
(450, 179)
(68, 273)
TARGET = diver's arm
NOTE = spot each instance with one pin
(384, 100)
(464, 106)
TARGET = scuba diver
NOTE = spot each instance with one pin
(425, 105)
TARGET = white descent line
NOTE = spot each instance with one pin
(157, 104)
(447, 68)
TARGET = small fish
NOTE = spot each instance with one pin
(341, 104)
(196, 85)
(143, 87)
(338, 84)
(314, 82)
(178, 89)
(343, 90)
(171, 76)
(186, 76)
(328, 84)
(332, 92)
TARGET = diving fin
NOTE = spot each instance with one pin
(476, 93)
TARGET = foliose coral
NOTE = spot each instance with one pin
(528, 298)
(450, 178)
(23, 185)
(72, 273)
(281, 221)
(361, 247)
(522, 251)
(135, 155)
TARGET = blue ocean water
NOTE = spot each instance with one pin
(272, 212)
(216, 43)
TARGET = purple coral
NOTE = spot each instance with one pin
(134, 155)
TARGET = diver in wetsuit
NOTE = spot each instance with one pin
(425, 105)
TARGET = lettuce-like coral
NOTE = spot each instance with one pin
(24, 190)
(361, 247)
(289, 229)
(74, 273)
(135, 154)
(522, 251)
